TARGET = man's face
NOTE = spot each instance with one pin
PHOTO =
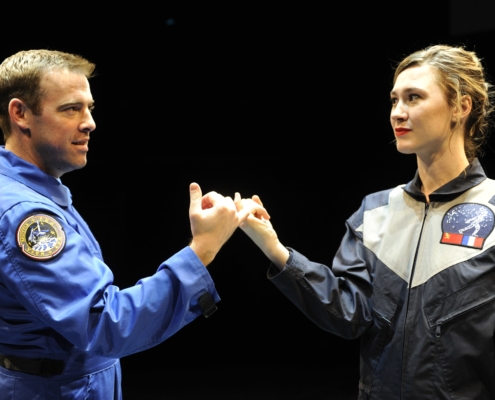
(60, 135)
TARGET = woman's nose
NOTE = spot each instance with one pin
(398, 112)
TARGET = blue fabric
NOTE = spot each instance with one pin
(99, 385)
(67, 308)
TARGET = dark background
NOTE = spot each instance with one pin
(288, 102)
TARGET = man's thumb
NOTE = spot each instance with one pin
(195, 195)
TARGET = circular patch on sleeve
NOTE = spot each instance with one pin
(40, 237)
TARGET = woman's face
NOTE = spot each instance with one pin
(421, 118)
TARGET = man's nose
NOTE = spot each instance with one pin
(88, 124)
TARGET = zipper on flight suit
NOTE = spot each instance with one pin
(440, 322)
(427, 207)
(387, 321)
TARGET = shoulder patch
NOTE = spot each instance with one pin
(40, 237)
(467, 225)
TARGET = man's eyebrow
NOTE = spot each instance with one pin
(75, 103)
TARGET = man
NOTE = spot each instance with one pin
(63, 325)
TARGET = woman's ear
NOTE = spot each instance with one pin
(466, 106)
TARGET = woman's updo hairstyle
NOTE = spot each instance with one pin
(459, 73)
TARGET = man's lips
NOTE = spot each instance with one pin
(401, 131)
(81, 144)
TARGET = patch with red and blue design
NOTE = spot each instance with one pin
(467, 225)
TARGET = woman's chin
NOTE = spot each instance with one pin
(401, 148)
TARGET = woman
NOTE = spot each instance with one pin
(414, 277)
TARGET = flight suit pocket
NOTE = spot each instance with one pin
(375, 338)
(463, 324)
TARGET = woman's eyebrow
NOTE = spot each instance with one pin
(407, 90)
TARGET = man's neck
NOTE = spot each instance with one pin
(23, 150)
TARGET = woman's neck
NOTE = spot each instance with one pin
(436, 170)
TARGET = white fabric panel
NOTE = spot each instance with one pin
(392, 232)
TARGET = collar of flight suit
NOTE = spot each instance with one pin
(472, 176)
(30, 175)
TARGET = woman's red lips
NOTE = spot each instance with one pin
(401, 131)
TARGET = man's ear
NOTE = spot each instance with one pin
(18, 111)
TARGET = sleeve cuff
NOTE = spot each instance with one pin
(274, 271)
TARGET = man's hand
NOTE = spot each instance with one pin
(213, 220)
(261, 231)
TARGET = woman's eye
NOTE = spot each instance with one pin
(393, 100)
(413, 97)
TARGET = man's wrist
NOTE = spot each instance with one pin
(203, 251)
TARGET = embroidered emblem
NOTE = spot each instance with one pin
(468, 225)
(40, 237)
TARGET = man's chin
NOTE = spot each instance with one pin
(69, 168)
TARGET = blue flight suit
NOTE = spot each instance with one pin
(65, 308)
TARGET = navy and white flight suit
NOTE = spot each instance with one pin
(416, 282)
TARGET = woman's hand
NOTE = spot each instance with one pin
(261, 231)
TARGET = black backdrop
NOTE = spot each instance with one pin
(287, 102)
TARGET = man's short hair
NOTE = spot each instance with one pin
(21, 74)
